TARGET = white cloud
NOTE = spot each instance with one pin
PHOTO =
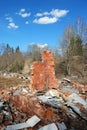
(23, 13)
(45, 20)
(39, 14)
(42, 46)
(42, 14)
(9, 19)
(27, 22)
(12, 25)
(39, 45)
(46, 13)
(58, 13)
(50, 17)
(22, 10)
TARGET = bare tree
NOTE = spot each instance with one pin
(35, 50)
(81, 29)
(68, 34)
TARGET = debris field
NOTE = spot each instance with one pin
(45, 103)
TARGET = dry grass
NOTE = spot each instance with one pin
(11, 82)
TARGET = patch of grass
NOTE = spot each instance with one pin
(11, 82)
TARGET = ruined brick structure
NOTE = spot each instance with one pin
(43, 74)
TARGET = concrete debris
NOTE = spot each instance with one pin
(71, 113)
(52, 93)
(49, 127)
(14, 75)
(21, 90)
(33, 121)
(45, 103)
(76, 99)
(72, 86)
(68, 80)
(29, 123)
(77, 110)
(54, 102)
(69, 89)
(18, 107)
(62, 126)
(1, 104)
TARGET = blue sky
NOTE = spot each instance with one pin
(23, 22)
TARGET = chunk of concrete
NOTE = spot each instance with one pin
(17, 126)
(77, 110)
(33, 121)
(1, 104)
(29, 123)
(76, 99)
(62, 126)
(21, 90)
(49, 127)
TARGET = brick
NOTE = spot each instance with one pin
(43, 74)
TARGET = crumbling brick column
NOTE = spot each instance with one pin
(43, 75)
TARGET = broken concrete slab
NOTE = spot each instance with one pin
(69, 89)
(54, 102)
(77, 111)
(29, 123)
(62, 126)
(76, 99)
(52, 93)
(17, 126)
(49, 127)
(68, 80)
(21, 90)
(1, 104)
(33, 121)
(71, 113)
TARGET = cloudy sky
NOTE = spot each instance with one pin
(23, 22)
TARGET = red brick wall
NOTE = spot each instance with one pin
(42, 74)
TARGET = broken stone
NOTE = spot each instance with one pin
(21, 90)
(54, 102)
(52, 93)
(62, 126)
(77, 111)
(1, 104)
(71, 113)
(68, 80)
(76, 99)
(49, 127)
(29, 123)
(33, 121)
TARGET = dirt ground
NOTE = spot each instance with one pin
(12, 82)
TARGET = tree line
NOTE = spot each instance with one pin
(11, 60)
(74, 46)
(73, 56)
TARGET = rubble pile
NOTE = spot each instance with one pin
(58, 106)
(52, 108)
